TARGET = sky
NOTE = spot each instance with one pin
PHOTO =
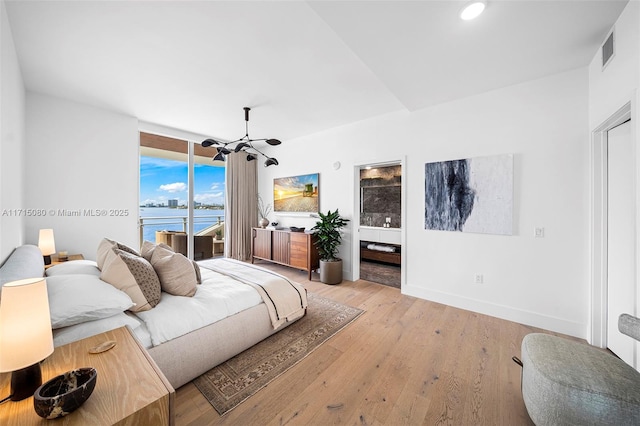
(162, 180)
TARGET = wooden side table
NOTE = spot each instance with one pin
(56, 261)
(218, 246)
(130, 389)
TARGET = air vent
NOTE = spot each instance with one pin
(608, 50)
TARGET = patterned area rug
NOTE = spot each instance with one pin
(235, 380)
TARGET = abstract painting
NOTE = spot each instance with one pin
(296, 194)
(470, 195)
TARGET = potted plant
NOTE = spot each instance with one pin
(328, 232)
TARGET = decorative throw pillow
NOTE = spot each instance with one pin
(147, 252)
(176, 272)
(148, 247)
(196, 267)
(135, 276)
(106, 245)
(77, 298)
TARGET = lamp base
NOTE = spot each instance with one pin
(47, 260)
(24, 382)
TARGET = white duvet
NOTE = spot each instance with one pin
(218, 297)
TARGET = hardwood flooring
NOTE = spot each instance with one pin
(405, 361)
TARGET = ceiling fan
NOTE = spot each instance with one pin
(245, 144)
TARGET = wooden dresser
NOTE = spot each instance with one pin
(294, 249)
(130, 389)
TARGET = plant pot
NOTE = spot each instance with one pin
(331, 271)
(263, 222)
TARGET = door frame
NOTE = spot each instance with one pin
(599, 162)
(355, 253)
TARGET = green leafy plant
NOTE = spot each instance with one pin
(329, 234)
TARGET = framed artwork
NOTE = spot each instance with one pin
(296, 194)
(470, 195)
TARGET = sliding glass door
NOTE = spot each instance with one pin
(181, 196)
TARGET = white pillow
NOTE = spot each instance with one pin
(88, 267)
(64, 335)
(78, 298)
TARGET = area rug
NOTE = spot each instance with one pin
(235, 380)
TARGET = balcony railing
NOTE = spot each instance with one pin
(181, 221)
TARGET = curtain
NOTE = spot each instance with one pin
(241, 205)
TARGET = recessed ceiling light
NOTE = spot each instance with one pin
(472, 10)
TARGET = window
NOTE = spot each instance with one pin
(169, 211)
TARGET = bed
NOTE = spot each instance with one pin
(234, 305)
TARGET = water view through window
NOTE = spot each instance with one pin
(164, 196)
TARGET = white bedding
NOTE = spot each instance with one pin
(218, 297)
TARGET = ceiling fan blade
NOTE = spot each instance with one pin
(208, 142)
(271, 162)
(240, 146)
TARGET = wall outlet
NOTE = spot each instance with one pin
(538, 232)
(478, 279)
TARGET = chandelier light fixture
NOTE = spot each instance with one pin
(245, 144)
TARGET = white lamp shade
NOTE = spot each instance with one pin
(46, 243)
(25, 324)
(473, 9)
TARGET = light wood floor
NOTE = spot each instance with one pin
(404, 361)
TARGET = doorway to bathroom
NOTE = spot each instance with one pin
(380, 223)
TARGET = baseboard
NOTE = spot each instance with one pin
(533, 319)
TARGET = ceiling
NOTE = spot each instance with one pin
(302, 67)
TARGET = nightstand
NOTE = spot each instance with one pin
(130, 389)
(55, 261)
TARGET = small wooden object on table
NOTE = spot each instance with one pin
(56, 261)
(130, 389)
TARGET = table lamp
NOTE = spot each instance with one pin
(25, 334)
(47, 244)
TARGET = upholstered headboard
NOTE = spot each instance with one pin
(25, 262)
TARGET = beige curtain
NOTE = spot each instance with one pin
(241, 205)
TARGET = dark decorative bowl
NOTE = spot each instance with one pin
(63, 394)
(296, 229)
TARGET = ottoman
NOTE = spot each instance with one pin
(571, 383)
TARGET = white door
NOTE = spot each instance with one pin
(621, 240)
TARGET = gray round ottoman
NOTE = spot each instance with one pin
(571, 383)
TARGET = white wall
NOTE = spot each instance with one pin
(544, 123)
(617, 84)
(610, 89)
(81, 159)
(12, 111)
